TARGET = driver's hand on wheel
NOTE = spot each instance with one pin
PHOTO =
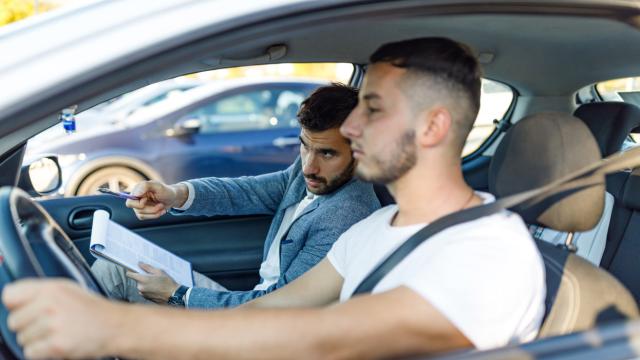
(52, 318)
(156, 198)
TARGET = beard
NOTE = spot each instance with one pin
(403, 157)
(336, 182)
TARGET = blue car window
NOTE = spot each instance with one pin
(253, 110)
(242, 104)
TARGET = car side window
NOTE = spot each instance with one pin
(495, 100)
(287, 106)
(627, 90)
(166, 95)
(252, 110)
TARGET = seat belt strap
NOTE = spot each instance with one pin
(589, 176)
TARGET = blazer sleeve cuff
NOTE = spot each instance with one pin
(190, 197)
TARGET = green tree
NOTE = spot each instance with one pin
(14, 10)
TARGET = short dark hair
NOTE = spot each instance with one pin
(447, 63)
(440, 57)
(327, 107)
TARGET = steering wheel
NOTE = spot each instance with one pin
(32, 244)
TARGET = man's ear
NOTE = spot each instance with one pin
(433, 126)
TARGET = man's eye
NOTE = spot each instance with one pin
(371, 110)
(327, 155)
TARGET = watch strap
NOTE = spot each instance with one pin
(178, 296)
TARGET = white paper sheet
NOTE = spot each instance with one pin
(118, 244)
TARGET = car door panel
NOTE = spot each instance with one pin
(227, 249)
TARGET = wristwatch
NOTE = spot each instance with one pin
(178, 297)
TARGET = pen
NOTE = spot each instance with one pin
(120, 194)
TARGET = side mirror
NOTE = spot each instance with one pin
(41, 177)
(185, 127)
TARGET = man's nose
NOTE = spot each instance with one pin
(352, 127)
(310, 165)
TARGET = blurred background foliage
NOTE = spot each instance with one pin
(14, 10)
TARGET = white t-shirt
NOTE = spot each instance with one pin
(486, 276)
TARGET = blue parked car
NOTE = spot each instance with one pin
(227, 128)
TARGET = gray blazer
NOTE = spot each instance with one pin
(309, 237)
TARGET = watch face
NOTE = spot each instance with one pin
(178, 296)
(175, 301)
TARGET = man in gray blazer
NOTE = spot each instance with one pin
(313, 202)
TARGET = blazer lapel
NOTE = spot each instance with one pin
(294, 193)
(314, 205)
